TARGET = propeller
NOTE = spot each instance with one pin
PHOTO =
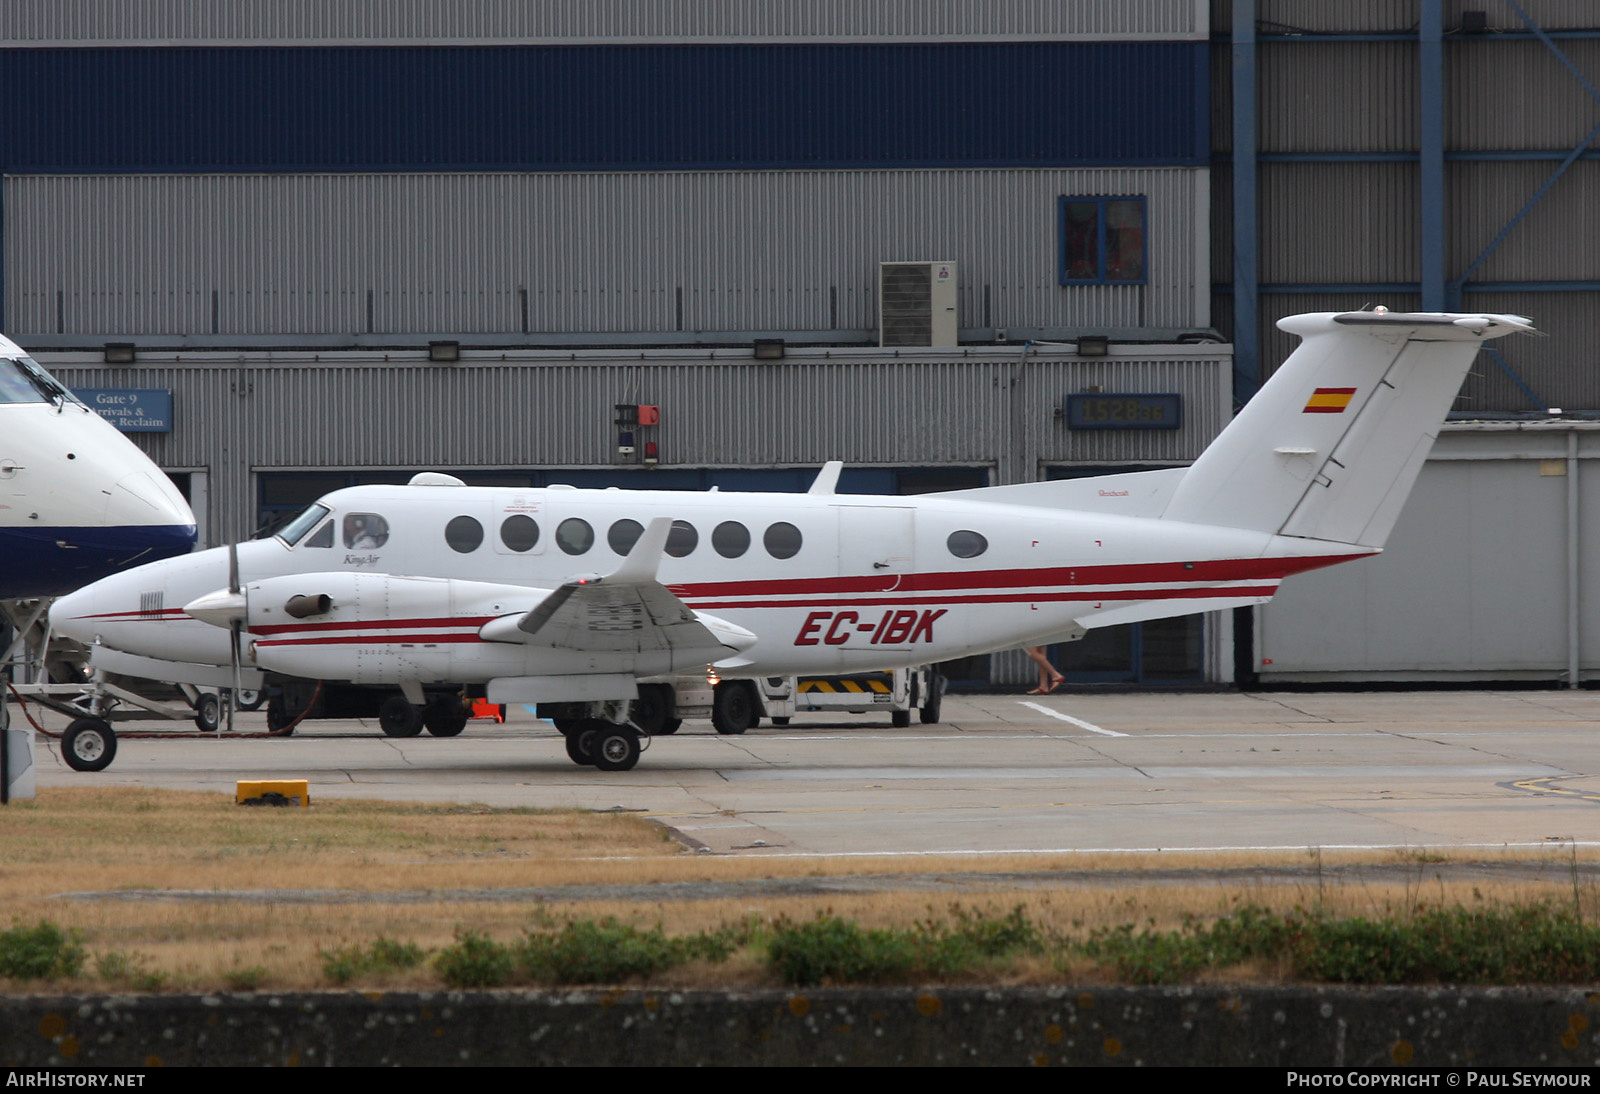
(235, 631)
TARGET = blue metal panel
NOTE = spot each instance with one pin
(602, 107)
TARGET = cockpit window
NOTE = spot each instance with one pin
(323, 536)
(365, 531)
(299, 526)
(23, 381)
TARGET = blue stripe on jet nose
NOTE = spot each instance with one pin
(53, 561)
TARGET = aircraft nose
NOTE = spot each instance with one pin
(150, 501)
(76, 615)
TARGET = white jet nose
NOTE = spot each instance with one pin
(143, 499)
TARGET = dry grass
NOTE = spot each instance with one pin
(127, 839)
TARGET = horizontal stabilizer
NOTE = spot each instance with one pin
(1331, 445)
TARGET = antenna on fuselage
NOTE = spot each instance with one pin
(828, 478)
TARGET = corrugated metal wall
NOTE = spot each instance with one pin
(562, 253)
(1340, 183)
(1400, 16)
(994, 407)
(603, 106)
(31, 22)
(1474, 583)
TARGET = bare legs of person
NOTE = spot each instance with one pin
(1049, 676)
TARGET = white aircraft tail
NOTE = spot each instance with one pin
(1331, 445)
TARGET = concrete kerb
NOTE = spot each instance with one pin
(1330, 1027)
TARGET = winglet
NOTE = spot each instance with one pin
(645, 558)
(828, 478)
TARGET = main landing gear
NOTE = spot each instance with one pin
(596, 739)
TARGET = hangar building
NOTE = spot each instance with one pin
(328, 244)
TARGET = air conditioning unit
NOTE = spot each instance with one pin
(916, 303)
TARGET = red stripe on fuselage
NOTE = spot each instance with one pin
(1135, 573)
(375, 624)
(1034, 596)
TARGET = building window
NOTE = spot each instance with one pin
(1102, 241)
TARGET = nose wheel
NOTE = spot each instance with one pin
(89, 744)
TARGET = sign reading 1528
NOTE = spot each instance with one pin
(130, 409)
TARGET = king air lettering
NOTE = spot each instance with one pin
(892, 628)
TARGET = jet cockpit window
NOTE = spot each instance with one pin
(323, 537)
(365, 531)
(299, 526)
(574, 535)
(23, 381)
(782, 540)
(967, 544)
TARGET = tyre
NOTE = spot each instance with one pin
(899, 718)
(616, 748)
(399, 718)
(445, 716)
(733, 707)
(208, 712)
(278, 716)
(649, 712)
(580, 746)
(89, 745)
(780, 721)
(248, 699)
(565, 725)
(930, 709)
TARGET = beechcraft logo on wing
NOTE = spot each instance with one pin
(1329, 400)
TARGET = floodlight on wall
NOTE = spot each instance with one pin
(444, 353)
(119, 353)
(769, 349)
(1093, 345)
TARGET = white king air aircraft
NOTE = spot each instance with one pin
(564, 596)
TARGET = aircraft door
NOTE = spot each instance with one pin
(877, 541)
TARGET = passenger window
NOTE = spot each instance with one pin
(323, 536)
(463, 534)
(782, 540)
(730, 539)
(519, 532)
(623, 535)
(365, 531)
(683, 539)
(966, 544)
(574, 536)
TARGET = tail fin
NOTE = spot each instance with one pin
(1331, 445)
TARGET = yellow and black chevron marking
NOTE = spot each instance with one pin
(840, 685)
(1546, 786)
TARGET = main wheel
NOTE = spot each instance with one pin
(399, 718)
(278, 716)
(89, 744)
(248, 699)
(208, 712)
(733, 707)
(649, 711)
(930, 709)
(580, 746)
(616, 748)
(566, 725)
(445, 716)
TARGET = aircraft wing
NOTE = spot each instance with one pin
(627, 611)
